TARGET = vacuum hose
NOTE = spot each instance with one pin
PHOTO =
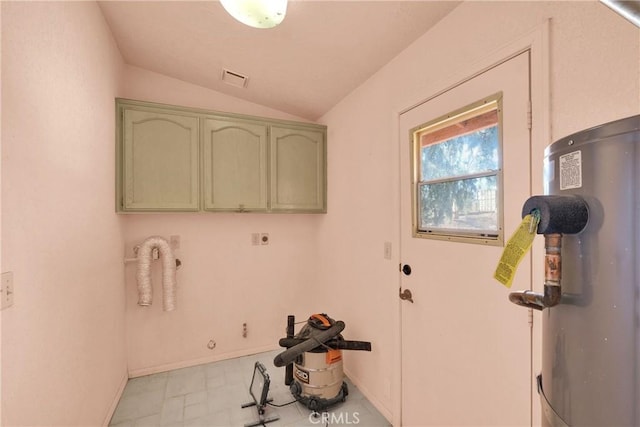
(334, 344)
(289, 355)
(288, 371)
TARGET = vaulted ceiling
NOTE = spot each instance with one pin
(321, 52)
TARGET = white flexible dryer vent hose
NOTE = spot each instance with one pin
(145, 290)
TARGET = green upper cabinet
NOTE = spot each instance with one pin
(235, 165)
(159, 161)
(184, 159)
(298, 169)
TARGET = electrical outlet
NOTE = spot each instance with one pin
(255, 239)
(174, 241)
(264, 238)
(6, 293)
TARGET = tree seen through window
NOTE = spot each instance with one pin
(459, 163)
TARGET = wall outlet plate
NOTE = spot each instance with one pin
(174, 242)
(6, 293)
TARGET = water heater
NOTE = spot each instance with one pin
(591, 301)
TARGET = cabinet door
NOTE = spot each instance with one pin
(235, 165)
(298, 177)
(160, 162)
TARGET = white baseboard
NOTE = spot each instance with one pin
(193, 362)
(116, 399)
(374, 401)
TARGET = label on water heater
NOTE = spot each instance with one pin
(571, 170)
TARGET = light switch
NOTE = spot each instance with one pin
(387, 250)
(6, 293)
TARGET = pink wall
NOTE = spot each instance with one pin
(146, 85)
(64, 357)
(65, 245)
(0, 210)
(225, 281)
(63, 342)
(594, 79)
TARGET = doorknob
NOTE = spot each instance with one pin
(406, 269)
(406, 295)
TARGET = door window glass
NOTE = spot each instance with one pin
(457, 175)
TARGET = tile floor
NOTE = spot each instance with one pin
(211, 395)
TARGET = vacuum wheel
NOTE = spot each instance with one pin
(313, 404)
(345, 391)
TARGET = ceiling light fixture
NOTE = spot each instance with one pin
(257, 13)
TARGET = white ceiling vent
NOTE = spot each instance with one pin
(234, 79)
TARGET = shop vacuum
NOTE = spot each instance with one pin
(313, 361)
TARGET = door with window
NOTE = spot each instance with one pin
(465, 173)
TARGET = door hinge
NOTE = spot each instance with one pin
(529, 116)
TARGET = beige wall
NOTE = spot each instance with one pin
(225, 281)
(63, 342)
(594, 79)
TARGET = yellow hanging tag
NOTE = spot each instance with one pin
(516, 248)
